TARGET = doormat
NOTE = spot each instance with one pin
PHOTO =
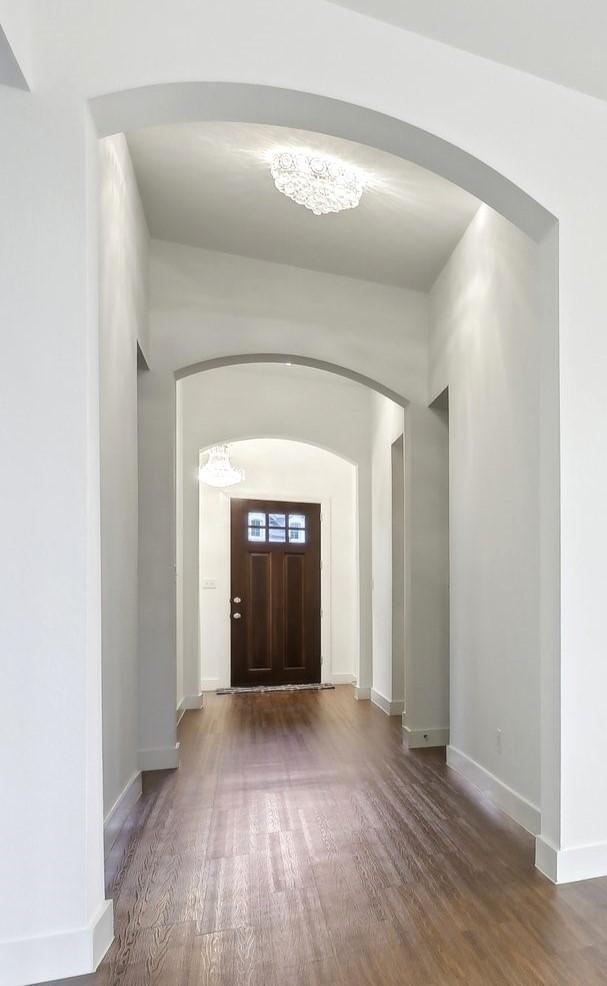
(274, 688)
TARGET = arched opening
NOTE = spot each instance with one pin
(195, 101)
(292, 359)
(331, 418)
(182, 102)
(285, 471)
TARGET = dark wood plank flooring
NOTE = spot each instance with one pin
(300, 844)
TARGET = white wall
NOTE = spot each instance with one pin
(282, 309)
(54, 920)
(485, 346)
(277, 469)
(15, 43)
(411, 674)
(426, 664)
(124, 239)
(272, 401)
(387, 423)
(397, 512)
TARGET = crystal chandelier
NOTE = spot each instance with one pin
(319, 183)
(218, 470)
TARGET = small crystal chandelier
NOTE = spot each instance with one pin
(319, 183)
(218, 470)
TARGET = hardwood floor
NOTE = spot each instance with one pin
(300, 844)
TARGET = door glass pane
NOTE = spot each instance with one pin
(277, 520)
(277, 534)
(297, 528)
(257, 526)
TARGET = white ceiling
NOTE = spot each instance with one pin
(554, 39)
(209, 185)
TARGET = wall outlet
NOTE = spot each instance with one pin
(209, 583)
(498, 741)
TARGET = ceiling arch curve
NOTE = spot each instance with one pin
(181, 102)
(265, 436)
(290, 358)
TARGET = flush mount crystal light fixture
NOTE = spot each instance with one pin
(218, 470)
(320, 184)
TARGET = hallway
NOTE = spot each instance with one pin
(299, 844)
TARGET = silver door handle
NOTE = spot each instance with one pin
(237, 599)
(237, 616)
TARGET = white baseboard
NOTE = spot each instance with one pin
(361, 694)
(416, 739)
(115, 818)
(570, 865)
(102, 927)
(188, 702)
(511, 802)
(547, 858)
(58, 956)
(164, 758)
(340, 678)
(212, 684)
(192, 702)
(385, 704)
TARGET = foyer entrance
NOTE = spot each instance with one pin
(275, 593)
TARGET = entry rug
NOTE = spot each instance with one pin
(273, 688)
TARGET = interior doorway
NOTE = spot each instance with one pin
(275, 593)
(291, 472)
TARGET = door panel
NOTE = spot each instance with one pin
(295, 628)
(258, 611)
(275, 556)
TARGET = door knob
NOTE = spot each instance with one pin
(236, 599)
(237, 616)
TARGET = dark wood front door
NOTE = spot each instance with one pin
(275, 601)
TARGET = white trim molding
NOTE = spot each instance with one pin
(511, 802)
(192, 702)
(163, 758)
(570, 865)
(385, 704)
(362, 694)
(416, 739)
(341, 678)
(212, 684)
(116, 816)
(58, 956)
(188, 703)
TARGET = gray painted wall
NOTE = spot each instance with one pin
(123, 318)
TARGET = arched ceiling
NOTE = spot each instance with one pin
(208, 185)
